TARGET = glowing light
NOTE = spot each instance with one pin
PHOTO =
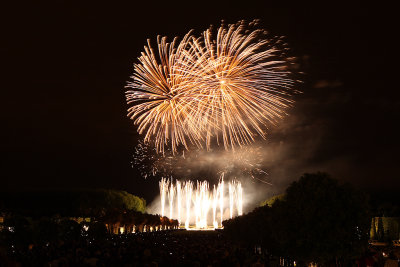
(231, 199)
(227, 86)
(214, 205)
(163, 191)
(239, 203)
(188, 195)
(171, 193)
(203, 200)
(221, 197)
(179, 199)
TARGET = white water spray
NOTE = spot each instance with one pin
(163, 191)
(199, 200)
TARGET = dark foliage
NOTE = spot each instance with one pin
(83, 203)
(385, 204)
(318, 220)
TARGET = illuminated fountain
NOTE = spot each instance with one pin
(163, 190)
(192, 204)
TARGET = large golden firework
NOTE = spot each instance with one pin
(160, 99)
(227, 87)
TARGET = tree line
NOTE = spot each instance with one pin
(316, 220)
(37, 218)
(65, 203)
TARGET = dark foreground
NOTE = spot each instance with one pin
(165, 248)
(168, 248)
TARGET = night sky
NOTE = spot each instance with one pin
(65, 65)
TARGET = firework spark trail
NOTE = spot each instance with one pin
(159, 95)
(227, 87)
(241, 83)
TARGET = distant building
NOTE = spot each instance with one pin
(385, 228)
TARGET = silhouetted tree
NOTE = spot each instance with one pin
(66, 203)
(272, 200)
(330, 220)
(317, 220)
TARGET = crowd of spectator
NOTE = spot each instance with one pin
(163, 248)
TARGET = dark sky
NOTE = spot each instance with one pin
(63, 110)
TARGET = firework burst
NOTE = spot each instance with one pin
(229, 88)
(241, 83)
(160, 100)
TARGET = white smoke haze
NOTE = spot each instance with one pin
(300, 143)
(265, 169)
(202, 164)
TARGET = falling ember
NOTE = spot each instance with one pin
(199, 200)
